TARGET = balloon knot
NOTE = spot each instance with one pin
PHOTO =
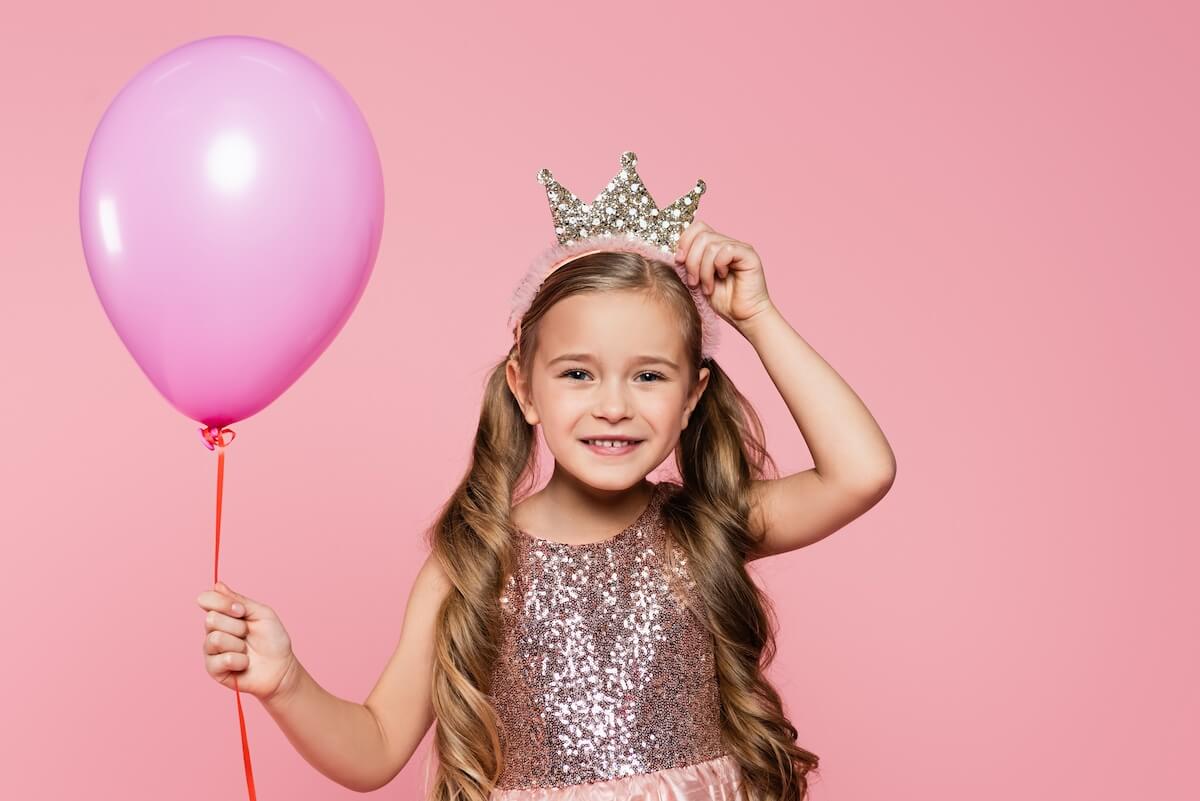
(214, 436)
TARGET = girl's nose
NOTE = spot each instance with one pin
(613, 402)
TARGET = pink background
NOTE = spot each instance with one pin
(983, 215)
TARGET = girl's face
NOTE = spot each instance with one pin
(609, 364)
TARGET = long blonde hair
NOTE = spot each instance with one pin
(719, 454)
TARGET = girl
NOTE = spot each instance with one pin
(601, 638)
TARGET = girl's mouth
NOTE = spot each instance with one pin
(611, 447)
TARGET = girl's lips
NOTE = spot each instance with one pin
(604, 450)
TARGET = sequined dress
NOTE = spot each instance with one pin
(606, 689)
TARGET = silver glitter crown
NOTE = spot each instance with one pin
(624, 206)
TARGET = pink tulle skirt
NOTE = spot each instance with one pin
(713, 780)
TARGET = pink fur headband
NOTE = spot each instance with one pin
(623, 217)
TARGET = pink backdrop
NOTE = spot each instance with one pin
(983, 215)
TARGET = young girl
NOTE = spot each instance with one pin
(601, 638)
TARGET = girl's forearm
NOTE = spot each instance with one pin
(339, 738)
(847, 444)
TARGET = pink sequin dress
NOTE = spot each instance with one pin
(607, 690)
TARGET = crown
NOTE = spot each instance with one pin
(624, 206)
(623, 217)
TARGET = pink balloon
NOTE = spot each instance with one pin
(231, 208)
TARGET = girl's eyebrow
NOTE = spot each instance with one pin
(587, 357)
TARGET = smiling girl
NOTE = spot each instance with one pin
(600, 638)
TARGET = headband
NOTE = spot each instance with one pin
(622, 218)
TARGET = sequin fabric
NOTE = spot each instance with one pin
(717, 779)
(607, 669)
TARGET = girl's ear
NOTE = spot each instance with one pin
(512, 374)
(694, 395)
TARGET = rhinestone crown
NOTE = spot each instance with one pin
(624, 206)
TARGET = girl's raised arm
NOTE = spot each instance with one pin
(855, 465)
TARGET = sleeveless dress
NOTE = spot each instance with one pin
(606, 689)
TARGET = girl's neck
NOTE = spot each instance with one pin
(590, 513)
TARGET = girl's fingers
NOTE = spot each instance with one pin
(215, 621)
(706, 265)
(219, 642)
(211, 599)
(684, 244)
(695, 253)
(223, 663)
(725, 255)
(227, 591)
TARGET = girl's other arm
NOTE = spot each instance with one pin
(847, 445)
(854, 465)
(363, 746)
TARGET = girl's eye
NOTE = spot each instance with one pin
(567, 373)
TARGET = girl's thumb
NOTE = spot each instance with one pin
(223, 587)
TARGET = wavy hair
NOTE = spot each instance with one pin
(719, 454)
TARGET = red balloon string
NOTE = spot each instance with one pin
(215, 438)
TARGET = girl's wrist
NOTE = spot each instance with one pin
(751, 326)
(289, 685)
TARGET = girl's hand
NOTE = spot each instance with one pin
(246, 639)
(729, 272)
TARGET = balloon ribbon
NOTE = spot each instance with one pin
(215, 438)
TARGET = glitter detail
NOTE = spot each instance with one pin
(624, 201)
(717, 779)
(623, 217)
(607, 668)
